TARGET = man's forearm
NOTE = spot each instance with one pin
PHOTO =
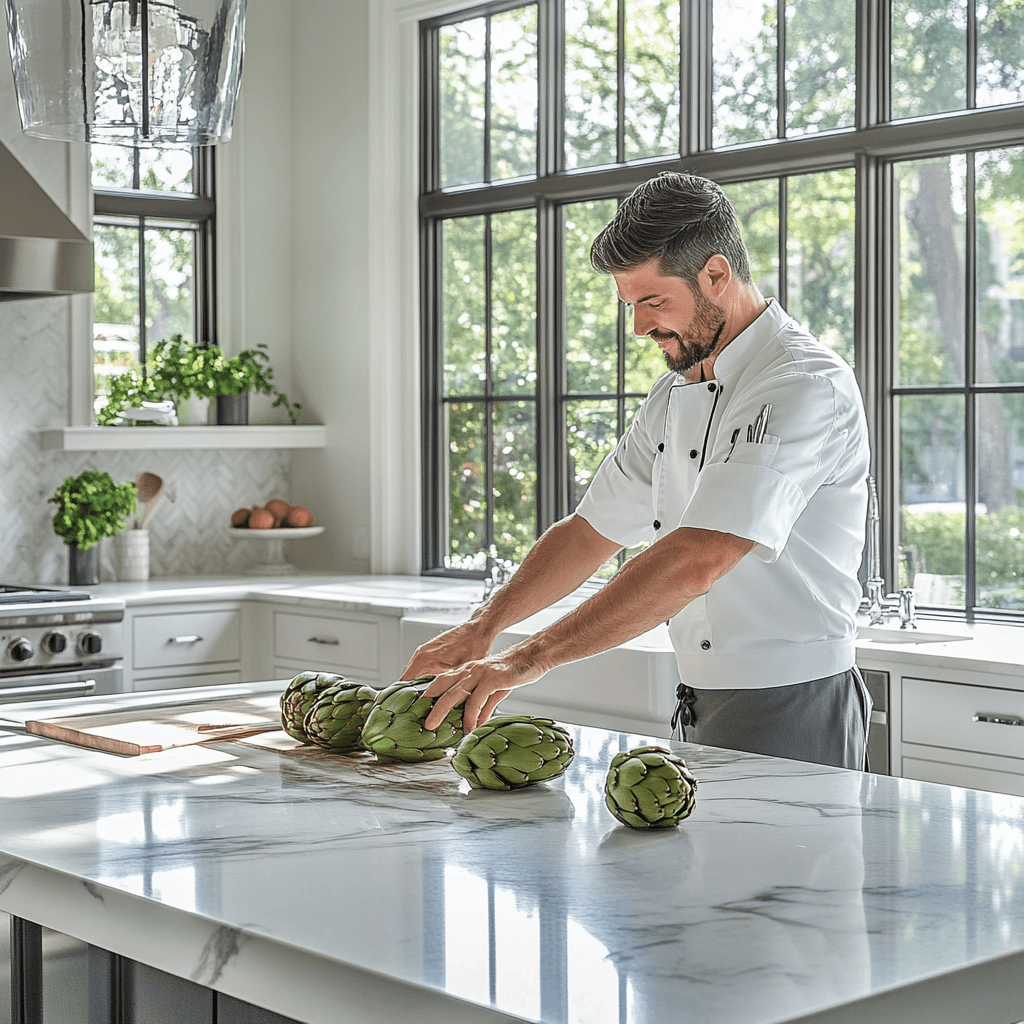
(649, 589)
(565, 556)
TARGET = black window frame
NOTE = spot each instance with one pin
(196, 210)
(871, 146)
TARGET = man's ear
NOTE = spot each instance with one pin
(715, 277)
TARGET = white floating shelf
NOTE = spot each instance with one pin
(99, 439)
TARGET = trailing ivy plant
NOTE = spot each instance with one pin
(91, 506)
(178, 369)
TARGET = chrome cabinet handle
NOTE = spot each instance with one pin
(328, 640)
(999, 719)
(193, 639)
(50, 689)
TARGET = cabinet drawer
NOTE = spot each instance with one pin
(185, 638)
(965, 776)
(953, 716)
(177, 682)
(317, 640)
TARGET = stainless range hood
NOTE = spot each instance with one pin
(41, 251)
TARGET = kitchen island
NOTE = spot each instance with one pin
(332, 890)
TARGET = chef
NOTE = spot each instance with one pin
(744, 471)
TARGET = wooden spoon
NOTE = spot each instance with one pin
(149, 488)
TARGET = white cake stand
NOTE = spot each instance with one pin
(272, 549)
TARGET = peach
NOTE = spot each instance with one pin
(261, 519)
(299, 517)
(278, 508)
(240, 517)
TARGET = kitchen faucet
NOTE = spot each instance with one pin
(877, 603)
(499, 572)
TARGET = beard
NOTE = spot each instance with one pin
(699, 340)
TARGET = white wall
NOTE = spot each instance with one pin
(332, 346)
(293, 236)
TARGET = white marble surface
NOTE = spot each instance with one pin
(332, 892)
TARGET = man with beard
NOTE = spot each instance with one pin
(744, 470)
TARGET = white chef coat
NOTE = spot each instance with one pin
(785, 612)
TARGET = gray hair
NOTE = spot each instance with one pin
(680, 220)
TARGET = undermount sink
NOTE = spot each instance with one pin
(895, 635)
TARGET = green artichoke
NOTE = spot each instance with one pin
(336, 719)
(394, 727)
(649, 787)
(299, 697)
(513, 751)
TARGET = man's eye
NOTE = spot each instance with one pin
(657, 305)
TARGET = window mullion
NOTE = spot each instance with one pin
(435, 520)
(487, 101)
(550, 87)
(142, 294)
(970, 398)
(489, 404)
(783, 232)
(972, 54)
(552, 457)
(620, 82)
(780, 68)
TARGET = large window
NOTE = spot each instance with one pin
(153, 238)
(875, 156)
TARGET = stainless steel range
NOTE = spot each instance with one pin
(58, 643)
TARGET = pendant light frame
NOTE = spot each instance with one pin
(159, 73)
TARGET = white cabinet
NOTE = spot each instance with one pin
(961, 734)
(208, 643)
(184, 645)
(359, 645)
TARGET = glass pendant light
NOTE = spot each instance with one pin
(127, 72)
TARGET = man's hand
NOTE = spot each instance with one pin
(481, 684)
(454, 647)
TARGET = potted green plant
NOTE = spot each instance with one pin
(179, 370)
(175, 370)
(90, 506)
(233, 379)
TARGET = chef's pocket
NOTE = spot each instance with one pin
(756, 453)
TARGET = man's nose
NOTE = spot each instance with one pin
(643, 322)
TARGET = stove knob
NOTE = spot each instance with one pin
(20, 649)
(54, 643)
(90, 643)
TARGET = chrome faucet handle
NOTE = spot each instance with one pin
(876, 601)
(908, 608)
(499, 572)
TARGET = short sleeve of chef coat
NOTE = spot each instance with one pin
(618, 503)
(759, 490)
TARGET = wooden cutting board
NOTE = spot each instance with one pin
(131, 733)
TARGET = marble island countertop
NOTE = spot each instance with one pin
(330, 891)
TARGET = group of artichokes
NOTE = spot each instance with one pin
(345, 716)
(647, 787)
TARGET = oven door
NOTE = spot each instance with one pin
(83, 682)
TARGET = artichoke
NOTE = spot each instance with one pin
(394, 727)
(513, 751)
(649, 787)
(336, 719)
(299, 697)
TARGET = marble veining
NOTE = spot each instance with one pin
(793, 891)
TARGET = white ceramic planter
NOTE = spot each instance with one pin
(131, 555)
(193, 412)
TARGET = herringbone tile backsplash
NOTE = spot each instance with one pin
(187, 535)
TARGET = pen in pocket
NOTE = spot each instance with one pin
(735, 434)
